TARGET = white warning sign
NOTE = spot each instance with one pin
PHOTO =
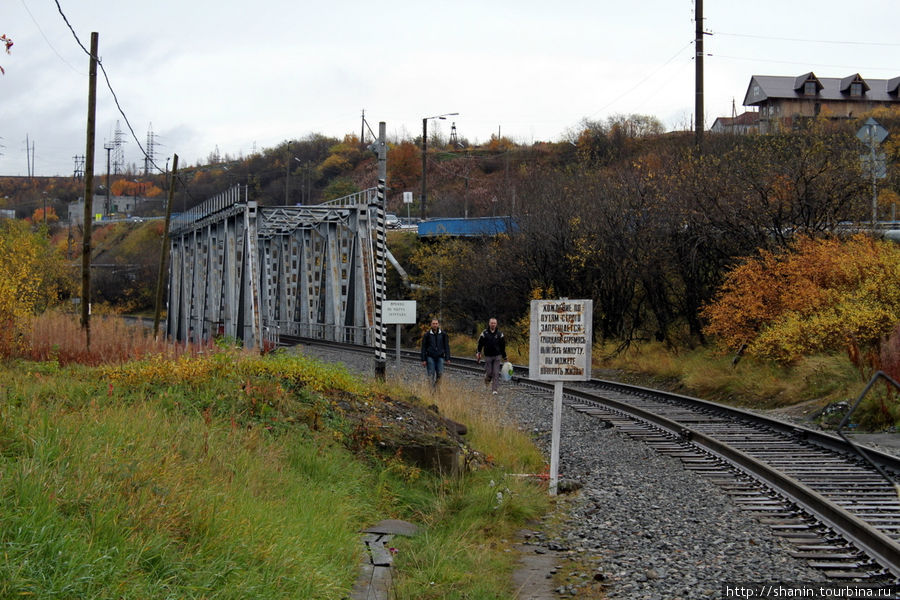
(561, 339)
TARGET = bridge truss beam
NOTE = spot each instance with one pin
(252, 273)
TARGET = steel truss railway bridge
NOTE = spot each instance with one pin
(253, 273)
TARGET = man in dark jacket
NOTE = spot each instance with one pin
(435, 351)
(494, 345)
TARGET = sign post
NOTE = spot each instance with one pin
(399, 312)
(559, 350)
(407, 200)
(872, 133)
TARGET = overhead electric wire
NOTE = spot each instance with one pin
(793, 62)
(805, 41)
(116, 100)
(641, 82)
(46, 39)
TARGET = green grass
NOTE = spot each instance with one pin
(132, 501)
(207, 478)
(471, 520)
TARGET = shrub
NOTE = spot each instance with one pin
(32, 278)
(824, 295)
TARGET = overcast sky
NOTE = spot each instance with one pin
(244, 76)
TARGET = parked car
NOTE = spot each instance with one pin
(392, 221)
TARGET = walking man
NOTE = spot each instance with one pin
(494, 345)
(435, 351)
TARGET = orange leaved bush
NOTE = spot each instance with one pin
(823, 295)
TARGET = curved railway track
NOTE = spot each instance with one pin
(810, 487)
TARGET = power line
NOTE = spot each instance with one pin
(108, 85)
(43, 35)
(641, 82)
(118, 105)
(808, 64)
(806, 41)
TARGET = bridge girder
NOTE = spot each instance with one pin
(251, 273)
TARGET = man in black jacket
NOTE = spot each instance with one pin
(435, 351)
(494, 345)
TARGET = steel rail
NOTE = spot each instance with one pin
(866, 537)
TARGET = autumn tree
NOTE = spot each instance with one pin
(338, 188)
(823, 295)
(404, 166)
(604, 142)
(48, 216)
(455, 278)
(32, 279)
(342, 157)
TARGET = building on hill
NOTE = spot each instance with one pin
(783, 101)
(744, 123)
(119, 206)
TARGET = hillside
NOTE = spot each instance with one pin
(233, 476)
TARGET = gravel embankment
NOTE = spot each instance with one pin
(648, 528)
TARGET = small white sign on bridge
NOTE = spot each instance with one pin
(560, 350)
(398, 312)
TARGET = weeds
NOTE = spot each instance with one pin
(58, 337)
(228, 475)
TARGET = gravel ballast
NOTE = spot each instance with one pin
(648, 528)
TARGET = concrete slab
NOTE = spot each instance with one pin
(532, 579)
(376, 572)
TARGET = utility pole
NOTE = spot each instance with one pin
(164, 251)
(89, 194)
(287, 178)
(424, 157)
(424, 166)
(698, 72)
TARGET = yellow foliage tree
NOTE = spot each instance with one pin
(822, 296)
(32, 278)
(38, 215)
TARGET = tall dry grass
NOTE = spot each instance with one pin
(58, 336)
(489, 430)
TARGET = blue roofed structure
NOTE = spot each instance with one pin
(461, 227)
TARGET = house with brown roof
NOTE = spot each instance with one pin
(744, 123)
(783, 101)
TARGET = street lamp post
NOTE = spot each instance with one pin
(287, 176)
(424, 154)
(302, 183)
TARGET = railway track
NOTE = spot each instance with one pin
(813, 489)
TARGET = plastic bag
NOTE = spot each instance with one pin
(506, 371)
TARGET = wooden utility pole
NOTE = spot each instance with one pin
(164, 252)
(698, 72)
(89, 194)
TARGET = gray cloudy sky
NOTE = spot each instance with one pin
(240, 76)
